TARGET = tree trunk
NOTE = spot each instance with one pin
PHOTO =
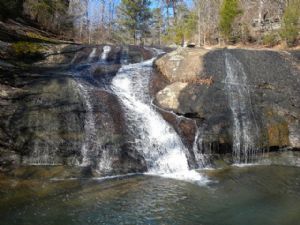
(199, 26)
(102, 13)
(260, 9)
(168, 16)
(134, 38)
(174, 10)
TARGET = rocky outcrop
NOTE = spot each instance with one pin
(168, 98)
(270, 80)
(50, 114)
(173, 65)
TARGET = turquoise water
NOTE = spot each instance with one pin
(257, 195)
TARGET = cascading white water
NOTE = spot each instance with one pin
(245, 129)
(42, 154)
(198, 148)
(92, 55)
(105, 162)
(155, 139)
(125, 55)
(90, 139)
(90, 144)
(42, 150)
(106, 51)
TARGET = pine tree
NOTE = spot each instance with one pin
(291, 22)
(135, 16)
(229, 11)
(184, 28)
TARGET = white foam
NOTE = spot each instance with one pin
(106, 51)
(241, 165)
(155, 139)
(245, 128)
(116, 176)
(191, 176)
(92, 55)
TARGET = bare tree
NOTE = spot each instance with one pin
(208, 17)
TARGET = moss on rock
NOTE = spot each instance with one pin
(277, 130)
(27, 49)
(278, 134)
(38, 36)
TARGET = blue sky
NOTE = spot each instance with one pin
(94, 5)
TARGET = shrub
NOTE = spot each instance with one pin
(184, 27)
(270, 39)
(290, 27)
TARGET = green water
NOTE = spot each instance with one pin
(258, 195)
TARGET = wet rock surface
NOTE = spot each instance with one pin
(272, 80)
(55, 108)
(46, 109)
(168, 98)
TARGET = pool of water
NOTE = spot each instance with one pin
(255, 195)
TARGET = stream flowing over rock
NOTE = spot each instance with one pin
(61, 111)
(157, 142)
(105, 110)
(243, 101)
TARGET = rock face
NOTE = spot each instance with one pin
(168, 98)
(173, 65)
(256, 90)
(60, 111)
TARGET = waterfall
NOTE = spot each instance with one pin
(91, 144)
(106, 51)
(105, 163)
(125, 55)
(43, 150)
(245, 129)
(92, 55)
(155, 139)
(89, 126)
(200, 158)
(42, 154)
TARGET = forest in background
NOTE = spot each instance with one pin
(163, 22)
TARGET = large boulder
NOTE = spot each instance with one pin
(260, 86)
(174, 64)
(168, 98)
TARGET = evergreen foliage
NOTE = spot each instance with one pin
(163, 22)
(135, 17)
(229, 11)
(291, 22)
(183, 28)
